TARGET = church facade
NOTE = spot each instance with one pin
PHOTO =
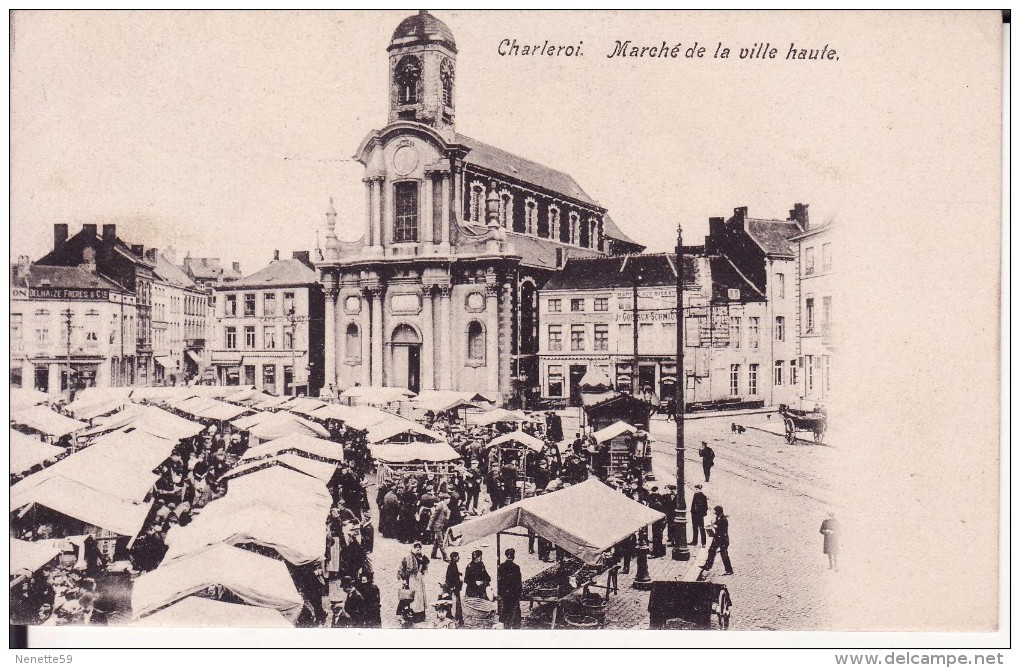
(441, 290)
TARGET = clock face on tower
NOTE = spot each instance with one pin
(405, 160)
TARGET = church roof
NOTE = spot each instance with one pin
(277, 272)
(422, 28)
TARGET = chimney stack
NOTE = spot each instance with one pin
(561, 258)
(799, 214)
(236, 266)
(109, 233)
(90, 230)
(276, 256)
(137, 249)
(25, 263)
(305, 257)
(59, 236)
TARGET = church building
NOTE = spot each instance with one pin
(441, 290)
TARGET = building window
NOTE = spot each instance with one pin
(780, 286)
(288, 303)
(555, 337)
(288, 340)
(446, 76)
(530, 216)
(593, 232)
(735, 380)
(269, 304)
(555, 306)
(405, 221)
(556, 380)
(601, 304)
(809, 315)
(269, 377)
(780, 328)
(809, 260)
(476, 203)
(353, 342)
(577, 337)
(575, 228)
(476, 341)
(778, 374)
(809, 373)
(408, 80)
(692, 332)
(269, 337)
(826, 314)
(506, 210)
(825, 372)
(554, 222)
(625, 338)
(16, 379)
(735, 332)
(826, 257)
(793, 372)
(42, 334)
(249, 374)
(752, 379)
(16, 327)
(601, 337)
(754, 333)
(230, 338)
(576, 305)
(249, 337)
(249, 304)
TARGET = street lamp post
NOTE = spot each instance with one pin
(681, 552)
(293, 350)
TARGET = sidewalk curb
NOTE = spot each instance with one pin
(713, 414)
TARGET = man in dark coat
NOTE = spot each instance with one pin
(389, 509)
(707, 460)
(454, 583)
(669, 508)
(476, 577)
(699, 508)
(720, 542)
(373, 603)
(654, 501)
(509, 587)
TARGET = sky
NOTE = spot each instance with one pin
(226, 133)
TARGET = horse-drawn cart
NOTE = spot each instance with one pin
(800, 421)
(689, 605)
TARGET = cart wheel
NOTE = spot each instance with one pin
(722, 611)
(790, 431)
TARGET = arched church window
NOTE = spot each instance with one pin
(446, 76)
(476, 207)
(476, 341)
(408, 80)
(405, 220)
(530, 216)
(575, 228)
(593, 233)
(353, 342)
(554, 222)
(506, 210)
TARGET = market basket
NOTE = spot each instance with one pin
(479, 613)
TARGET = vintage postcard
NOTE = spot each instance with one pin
(663, 321)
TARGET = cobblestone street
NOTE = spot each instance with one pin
(775, 495)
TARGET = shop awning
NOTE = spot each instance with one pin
(298, 538)
(220, 358)
(46, 421)
(195, 611)
(403, 453)
(164, 361)
(565, 519)
(194, 357)
(255, 579)
(521, 438)
(27, 452)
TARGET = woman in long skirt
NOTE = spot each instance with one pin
(830, 540)
(412, 576)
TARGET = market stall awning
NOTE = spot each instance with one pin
(298, 538)
(46, 421)
(503, 415)
(150, 419)
(255, 579)
(195, 405)
(403, 453)
(521, 438)
(408, 430)
(299, 444)
(304, 405)
(195, 611)
(439, 401)
(567, 519)
(248, 421)
(222, 411)
(92, 411)
(27, 452)
(91, 506)
(321, 470)
(279, 425)
(270, 402)
(30, 557)
(23, 397)
(280, 488)
(356, 417)
(377, 395)
(614, 430)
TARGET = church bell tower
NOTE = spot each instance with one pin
(423, 60)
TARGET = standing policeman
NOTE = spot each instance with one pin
(720, 542)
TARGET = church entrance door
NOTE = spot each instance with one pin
(406, 358)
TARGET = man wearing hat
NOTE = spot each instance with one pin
(699, 509)
(437, 525)
(509, 587)
(707, 459)
(668, 506)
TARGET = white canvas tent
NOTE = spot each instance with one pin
(281, 488)
(298, 538)
(565, 518)
(248, 421)
(397, 428)
(519, 437)
(356, 417)
(255, 579)
(299, 444)
(321, 470)
(24, 397)
(30, 557)
(403, 453)
(88, 505)
(195, 611)
(376, 395)
(27, 452)
(304, 405)
(612, 431)
(46, 421)
(503, 415)
(149, 419)
(222, 411)
(279, 425)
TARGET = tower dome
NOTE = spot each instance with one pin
(422, 28)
